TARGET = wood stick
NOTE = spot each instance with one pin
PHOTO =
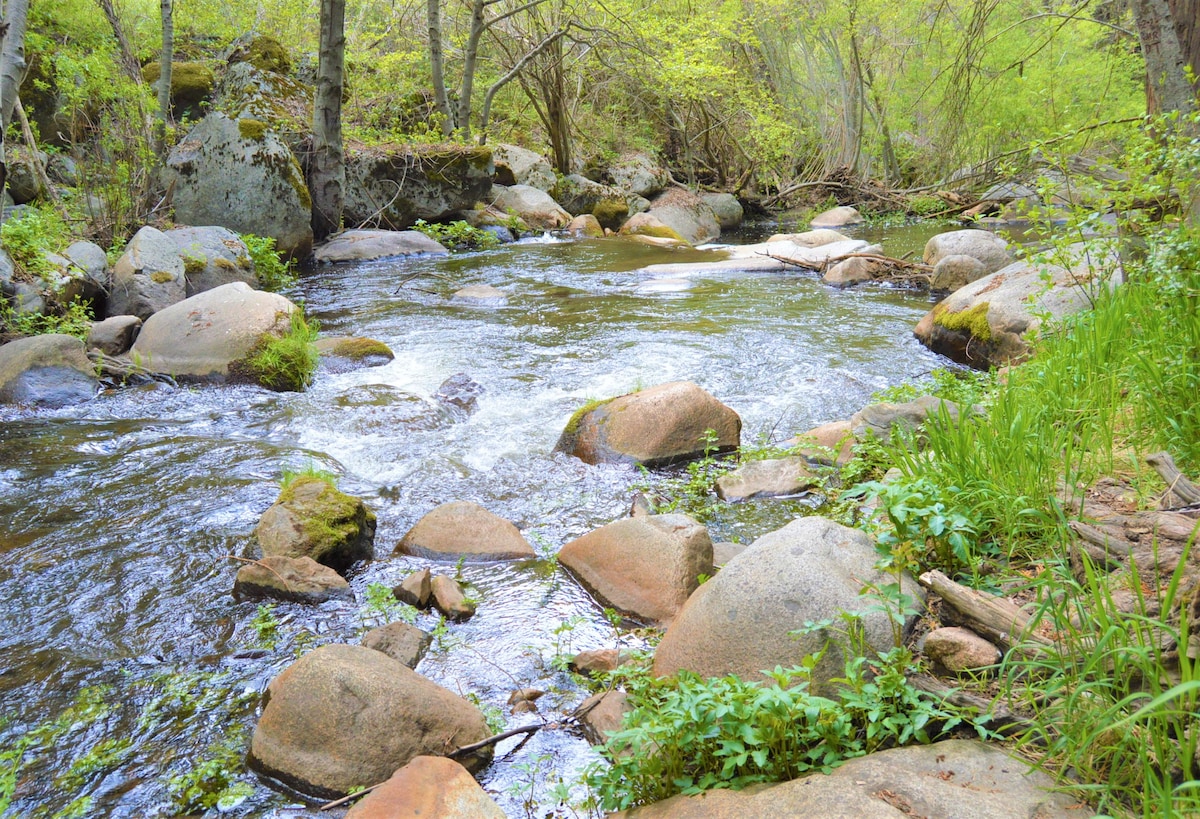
(483, 743)
(1176, 482)
(1002, 719)
(1098, 537)
(994, 618)
(349, 797)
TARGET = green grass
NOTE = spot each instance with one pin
(285, 363)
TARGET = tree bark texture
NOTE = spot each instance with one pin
(129, 63)
(1167, 86)
(327, 175)
(12, 57)
(164, 76)
(433, 15)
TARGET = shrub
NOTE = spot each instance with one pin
(273, 272)
(458, 236)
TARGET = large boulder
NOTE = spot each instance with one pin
(312, 518)
(687, 214)
(751, 617)
(639, 174)
(49, 370)
(945, 780)
(610, 205)
(261, 93)
(989, 249)
(647, 566)
(204, 336)
(518, 166)
(649, 228)
(429, 787)
(657, 426)
(343, 717)
(467, 530)
(533, 206)
(241, 175)
(394, 186)
(990, 321)
(300, 579)
(191, 84)
(148, 277)
(727, 208)
(212, 256)
(365, 245)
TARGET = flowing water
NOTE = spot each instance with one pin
(125, 663)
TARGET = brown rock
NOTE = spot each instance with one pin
(657, 426)
(312, 518)
(725, 552)
(955, 271)
(586, 225)
(601, 714)
(850, 272)
(647, 566)
(301, 579)
(880, 419)
(595, 661)
(769, 478)
(449, 599)
(841, 216)
(345, 716)
(400, 641)
(415, 590)
(466, 529)
(828, 444)
(959, 650)
(428, 787)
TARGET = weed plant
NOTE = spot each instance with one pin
(458, 236)
(274, 272)
(285, 363)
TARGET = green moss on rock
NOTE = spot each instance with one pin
(973, 321)
(577, 417)
(252, 129)
(268, 54)
(610, 213)
(357, 349)
(658, 232)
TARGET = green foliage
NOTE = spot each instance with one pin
(73, 320)
(214, 782)
(289, 475)
(458, 236)
(925, 205)
(961, 386)
(266, 626)
(688, 735)
(274, 273)
(381, 602)
(28, 237)
(285, 363)
(691, 492)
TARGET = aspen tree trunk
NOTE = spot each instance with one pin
(433, 15)
(327, 176)
(12, 56)
(164, 76)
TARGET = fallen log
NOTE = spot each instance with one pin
(994, 618)
(996, 716)
(1177, 483)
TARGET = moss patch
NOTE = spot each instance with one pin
(193, 265)
(974, 321)
(610, 212)
(577, 417)
(331, 518)
(252, 129)
(359, 348)
(658, 232)
(268, 54)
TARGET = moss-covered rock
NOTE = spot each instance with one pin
(281, 103)
(312, 518)
(433, 182)
(268, 54)
(972, 320)
(610, 213)
(191, 84)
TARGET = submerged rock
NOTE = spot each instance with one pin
(344, 717)
(313, 519)
(767, 478)
(365, 245)
(300, 579)
(656, 426)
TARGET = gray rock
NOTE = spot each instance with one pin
(62, 170)
(345, 353)
(395, 186)
(400, 641)
(202, 337)
(767, 478)
(344, 716)
(744, 619)
(115, 335)
(646, 566)
(987, 247)
(577, 194)
(212, 256)
(22, 180)
(299, 579)
(687, 214)
(727, 208)
(764, 257)
(953, 779)
(1010, 192)
(480, 294)
(811, 238)
(955, 271)
(464, 529)
(724, 552)
(364, 245)
(461, 392)
(240, 175)
(518, 166)
(879, 420)
(50, 370)
(837, 217)
(586, 225)
(148, 277)
(639, 174)
(91, 259)
(660, 425)
(536, 207)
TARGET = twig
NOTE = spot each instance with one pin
(349, 797)
(483, 743)
(286, 587)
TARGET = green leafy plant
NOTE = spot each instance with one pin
(691, 491)
(310, 470)
(28, 237)
(74, 319)
(274, 272)
(266, 626)
(458, 236)
(214, 782)
(382, 602)
(284, 363)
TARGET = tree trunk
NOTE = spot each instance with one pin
(327, 177)
(1167, 86)
(129, 63)
(164, 77)
(3, 162)
(12, 57)
(470, 58)
(433, 14)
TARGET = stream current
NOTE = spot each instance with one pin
(126, 666)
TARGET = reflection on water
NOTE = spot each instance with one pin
(121, 520)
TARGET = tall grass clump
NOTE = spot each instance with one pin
(284, 363)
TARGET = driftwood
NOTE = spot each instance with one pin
(995, 618)
(998, 717)
(125, 371)
(1177, 483)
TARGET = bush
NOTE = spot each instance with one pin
(28, 237)
(458, 236)
(274, 274)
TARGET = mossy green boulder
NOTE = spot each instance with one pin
(191, 84)
(430, 182)
(312, 518)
